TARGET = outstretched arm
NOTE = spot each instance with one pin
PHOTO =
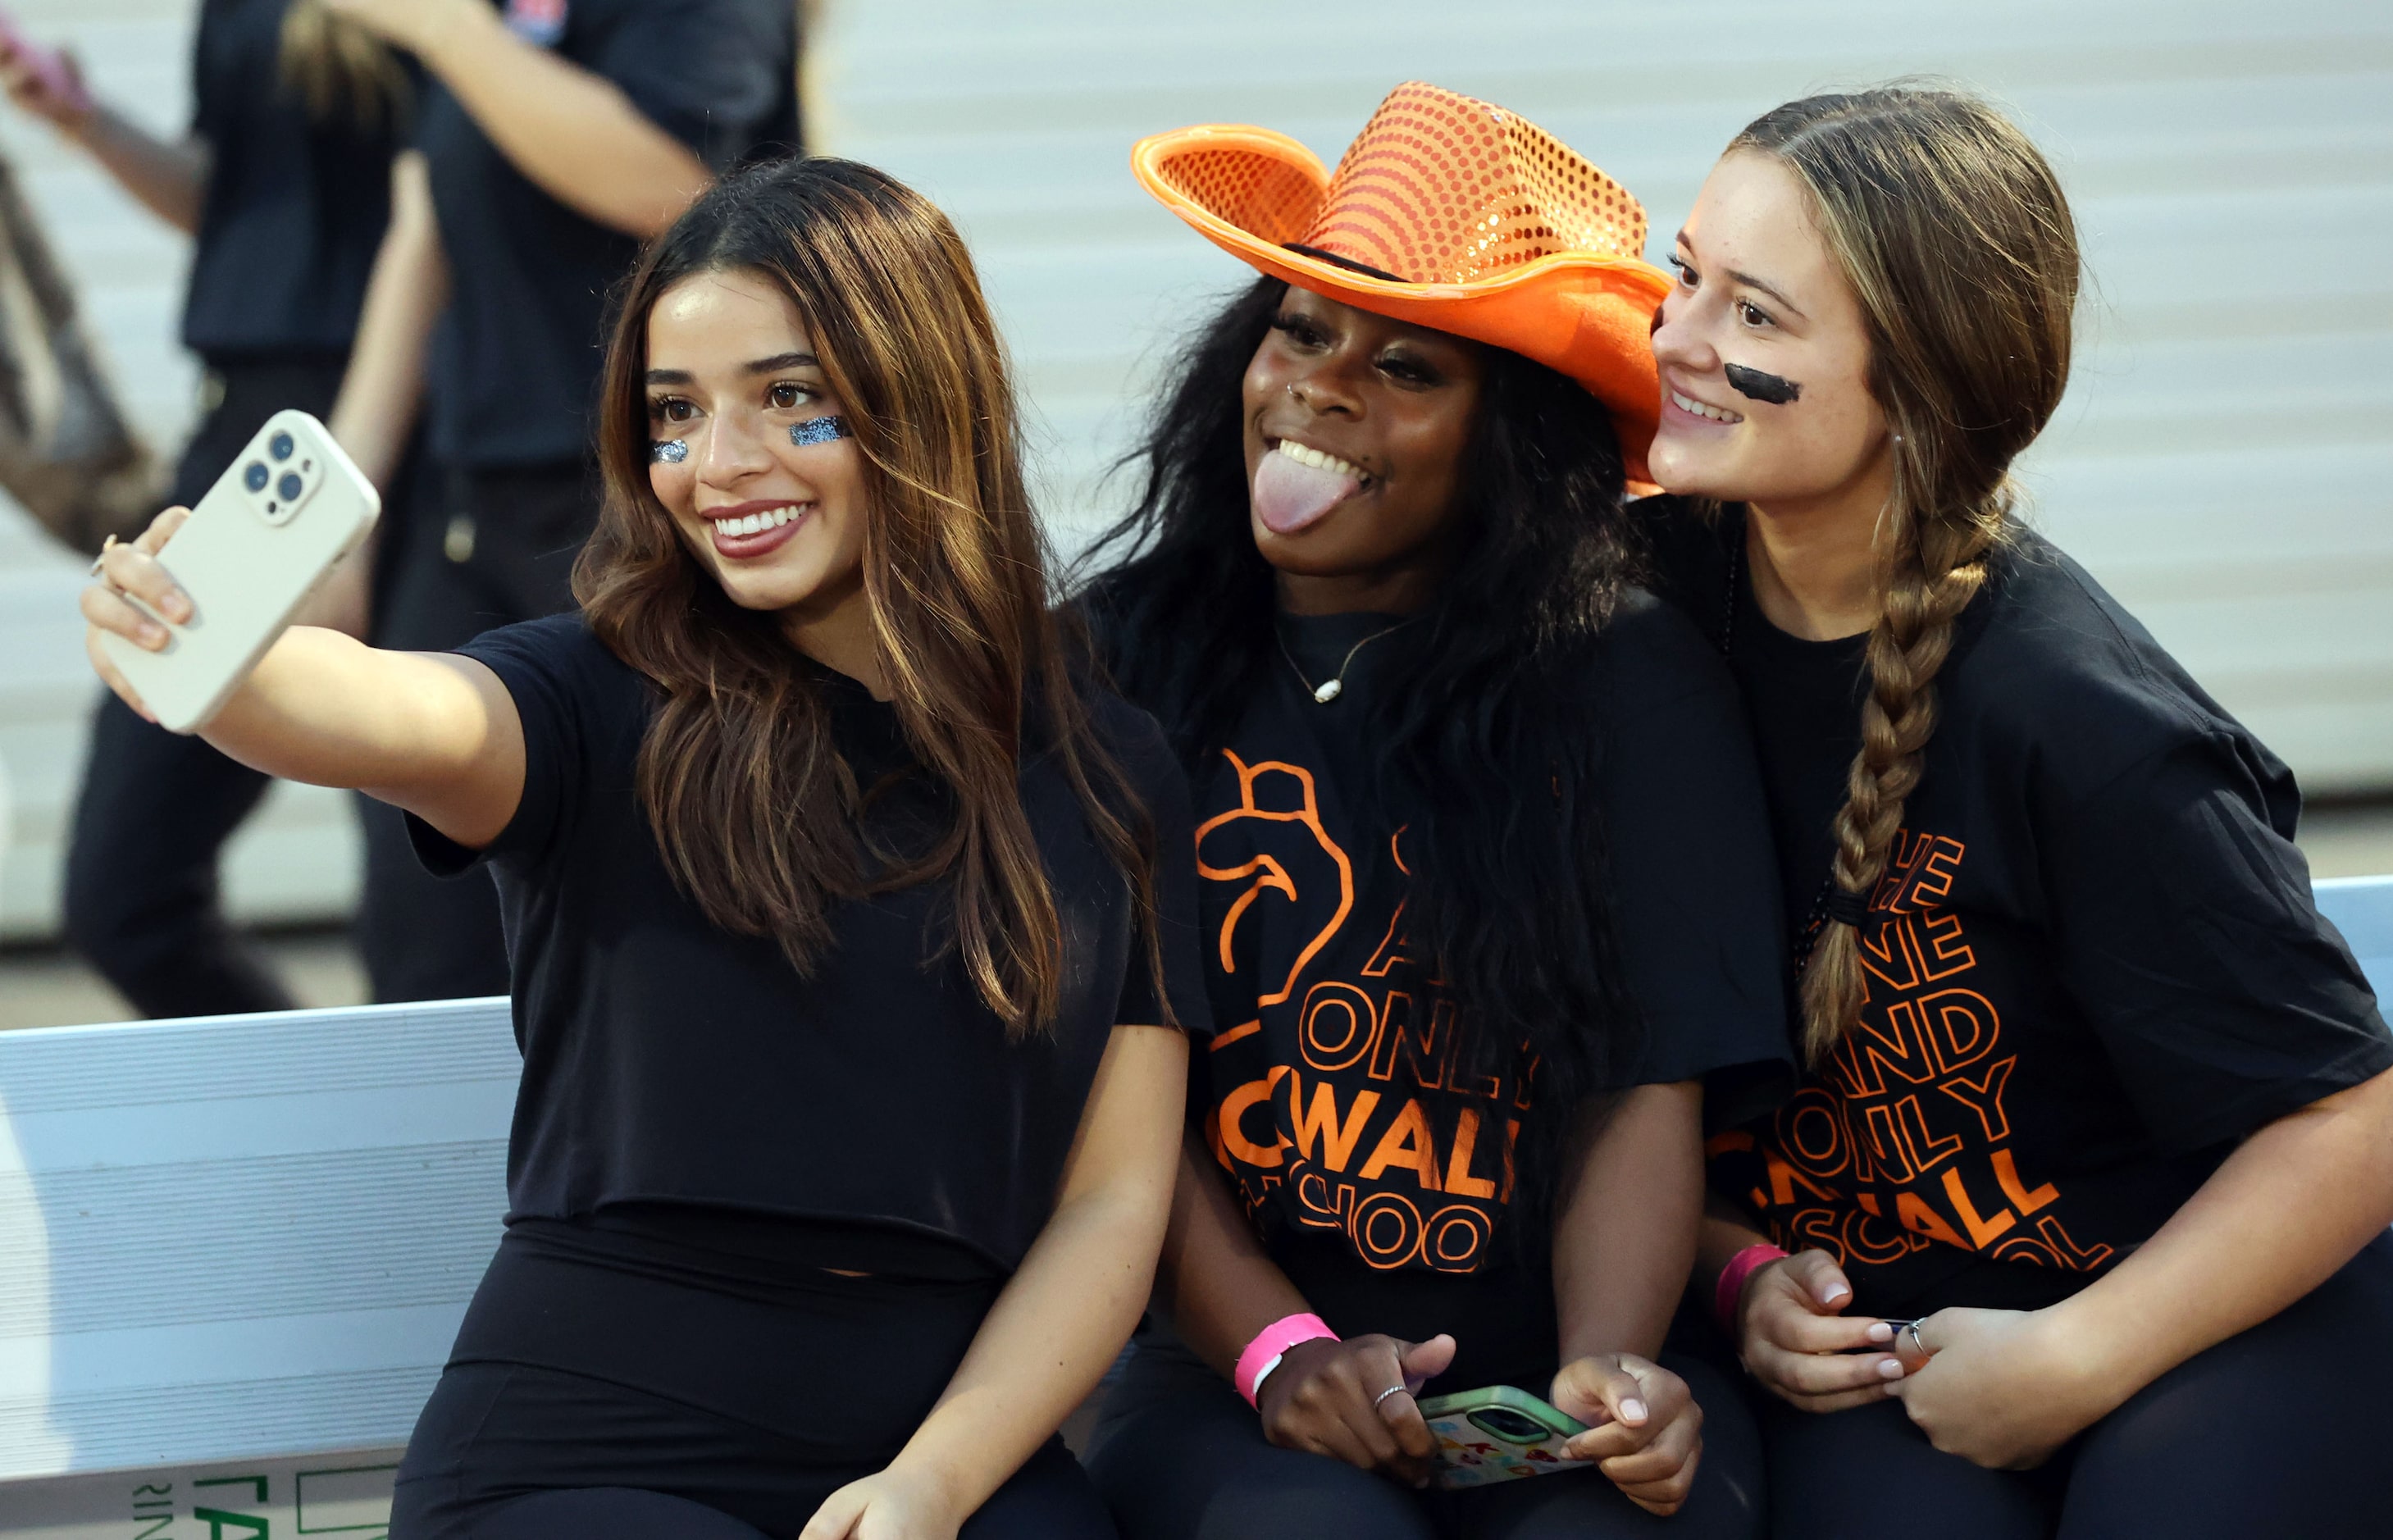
(1063, 1316)
(570, 131)
(170, 178)
(432, 733)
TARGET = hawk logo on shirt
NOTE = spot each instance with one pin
(1355, 1097)
(538, 22)
(1276, 809)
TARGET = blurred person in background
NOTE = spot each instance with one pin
(283, 180)
(554, 137)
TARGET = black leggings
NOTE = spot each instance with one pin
(2278, 1431)
(503, 1451)
(1179, 1455)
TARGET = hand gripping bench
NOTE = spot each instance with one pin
(233, 1252)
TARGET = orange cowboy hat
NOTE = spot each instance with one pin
(1446, 212)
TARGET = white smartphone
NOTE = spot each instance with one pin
(288, 508)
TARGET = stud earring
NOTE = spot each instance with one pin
(668, 451)
(819, 430)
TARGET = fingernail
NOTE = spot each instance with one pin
(177, 606)
(1634, 1411)
(1834, 1294)
(1889, 1368)
(1880, 1332)
(153, 634)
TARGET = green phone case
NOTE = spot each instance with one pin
(1479, 1444)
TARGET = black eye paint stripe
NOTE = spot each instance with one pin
(1772, 388)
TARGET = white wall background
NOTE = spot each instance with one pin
(2223, 461)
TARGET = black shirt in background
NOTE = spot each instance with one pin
(1364, 1124)
(294, 209)
(672, 1067)
(2093, 964)
(517, 357)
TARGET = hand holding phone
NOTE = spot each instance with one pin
(1645, 1432)
(174, 628)
(1352, 1401)
(1499, 1434)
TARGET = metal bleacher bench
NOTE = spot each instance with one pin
(233, 1251)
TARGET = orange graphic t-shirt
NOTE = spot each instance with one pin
(1348, 1094)
(2092, 964)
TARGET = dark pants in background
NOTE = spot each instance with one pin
(480, 549)
(143, 903)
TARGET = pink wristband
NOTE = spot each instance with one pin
(1264, 1352)
(1730, 1292)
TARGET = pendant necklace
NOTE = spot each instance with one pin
(1331, 688)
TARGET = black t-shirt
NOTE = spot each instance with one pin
(1365, 1124)
(669, 1063)
(295, 207)
(516, 358)
(2093, 963)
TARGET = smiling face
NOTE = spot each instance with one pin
(1371, 417)
(731, 370)
(1759, 290)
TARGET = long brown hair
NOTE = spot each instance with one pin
(1955, 237)
(341, 71)
(754, 811)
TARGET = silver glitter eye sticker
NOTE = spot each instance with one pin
(668, 451)
(818, 430)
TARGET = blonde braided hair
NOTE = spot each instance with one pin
(1958, 240)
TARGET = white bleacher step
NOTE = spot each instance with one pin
(2362, 908)
(238, 1239)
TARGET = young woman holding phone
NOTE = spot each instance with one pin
(852, 930)
(2088, 1185)
(1485, 871)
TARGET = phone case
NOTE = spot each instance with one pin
(288, 507)
(1476, 1449)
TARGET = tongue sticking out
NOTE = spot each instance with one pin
(1289, 496)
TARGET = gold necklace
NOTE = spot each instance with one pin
(1330, 689)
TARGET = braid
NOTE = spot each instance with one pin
(1936, 570)
(1956, 241)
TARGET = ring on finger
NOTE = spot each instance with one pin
(110, 543)
(1917, 1345)
(1384, 1395)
